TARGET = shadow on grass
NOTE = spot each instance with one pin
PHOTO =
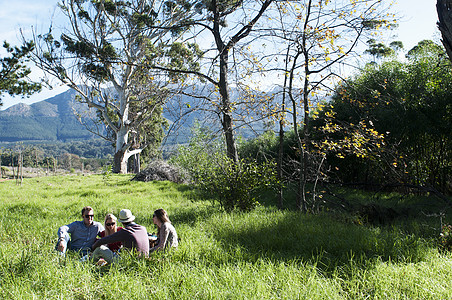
(328, 241)
(339, 198)
(191, 217)
(318, 240)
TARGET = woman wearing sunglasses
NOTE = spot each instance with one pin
(110, 228)
(106, 253)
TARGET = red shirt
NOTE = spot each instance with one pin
(113, 246)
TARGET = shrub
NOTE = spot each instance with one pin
(236, 185)
(200, 153)
(107, 172)
(445, 237)
(3, 171)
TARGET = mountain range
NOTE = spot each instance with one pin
(53, 120)
(48, 120)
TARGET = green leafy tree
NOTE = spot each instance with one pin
(14, 72)
(233, 184)
(107, 55)
(316, 38)
(410, 103)
(380, 50)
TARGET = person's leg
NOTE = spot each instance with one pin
(102, 252)
(84, 254)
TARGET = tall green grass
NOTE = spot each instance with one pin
(263, 254)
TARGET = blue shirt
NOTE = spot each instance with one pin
(82, 237)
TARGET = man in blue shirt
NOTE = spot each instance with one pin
(79, 235)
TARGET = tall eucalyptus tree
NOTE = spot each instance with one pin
(444, 10)
(14, 73)
(106, 54)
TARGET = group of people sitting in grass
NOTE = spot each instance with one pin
(103, 243)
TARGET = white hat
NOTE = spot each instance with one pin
(125, 216)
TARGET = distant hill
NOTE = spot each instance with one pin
(53, 120)
(48, 120)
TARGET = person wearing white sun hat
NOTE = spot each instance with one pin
(132, 236)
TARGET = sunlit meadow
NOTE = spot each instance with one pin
(264, 254)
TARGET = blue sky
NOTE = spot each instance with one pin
(417, 22)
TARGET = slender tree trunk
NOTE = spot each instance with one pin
(21, 168)
(18, 168)
(226, 108)
(306, 142)
(300, 195)
(12, 165)
(229, 136)
(279, 166)
(36, 157)
(122, 136)
(137, 164)
(301, 200)
(223, 50)
(20, 162)
(306, 135)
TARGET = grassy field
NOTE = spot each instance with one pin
(264, 254)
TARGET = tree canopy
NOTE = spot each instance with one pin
(410, 104)
(107, 54)
(14, 72)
